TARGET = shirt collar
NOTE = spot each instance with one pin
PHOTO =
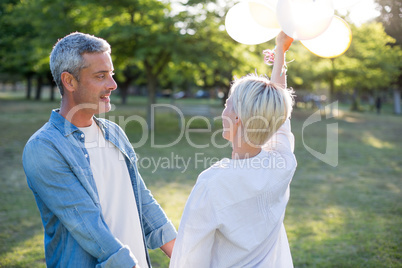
(65, 126)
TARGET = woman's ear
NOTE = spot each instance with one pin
(69, 82)
(237, 120)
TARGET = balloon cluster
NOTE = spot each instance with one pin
(311, 21)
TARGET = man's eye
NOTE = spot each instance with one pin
(101, 76)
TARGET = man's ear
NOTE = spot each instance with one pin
(69, 82)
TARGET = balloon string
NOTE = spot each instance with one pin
(285, 66)
(269, 56)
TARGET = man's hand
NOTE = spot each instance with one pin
(168, 248)
(283, 41)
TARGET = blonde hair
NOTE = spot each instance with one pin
(262, 107)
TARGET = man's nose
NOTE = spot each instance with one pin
(112, 84)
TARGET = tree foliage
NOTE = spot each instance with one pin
(391, 18)
(156, 46)
(374, 63)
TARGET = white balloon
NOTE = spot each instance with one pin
(333, 42)
(271, 3)
(304, 19)
(243, 28)
(339, 4)
(264, 14)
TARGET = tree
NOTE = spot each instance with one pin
(16, 51)
(391, 18)
(210, 58)
(373, 63)
(370, 64)
(207, 51)
(29, 30)
(143, 39)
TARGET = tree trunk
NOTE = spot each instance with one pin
(332, 89)
(397, 100)
(123, 94)
(53, 86)
(124, 90)
(39, 88)
(29, 86)
(52, 90)
(226, 87)
(151, 86)
(355, 101)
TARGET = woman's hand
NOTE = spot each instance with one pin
(283, 41)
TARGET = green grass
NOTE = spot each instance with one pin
(344, 216)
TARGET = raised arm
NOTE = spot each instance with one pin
(283, 140)
(283, 43)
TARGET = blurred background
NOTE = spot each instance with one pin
(178, 52)
(179, 49)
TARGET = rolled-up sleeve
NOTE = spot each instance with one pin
(122, 258)
(158, 229)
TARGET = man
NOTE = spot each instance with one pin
(95, 207)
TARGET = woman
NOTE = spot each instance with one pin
(234, 215)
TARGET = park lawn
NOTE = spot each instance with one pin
(349, 215)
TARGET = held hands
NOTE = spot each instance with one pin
(283, 42)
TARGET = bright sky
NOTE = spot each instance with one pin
(361, 11)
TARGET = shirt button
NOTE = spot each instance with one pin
(132, 158)
(86, 155)
(82, 135)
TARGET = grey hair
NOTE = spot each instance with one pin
(67, 54)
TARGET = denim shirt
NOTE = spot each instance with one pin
(58, 171)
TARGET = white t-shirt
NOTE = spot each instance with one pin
(115, 191)
(234, 215)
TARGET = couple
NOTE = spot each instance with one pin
(95, 207)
